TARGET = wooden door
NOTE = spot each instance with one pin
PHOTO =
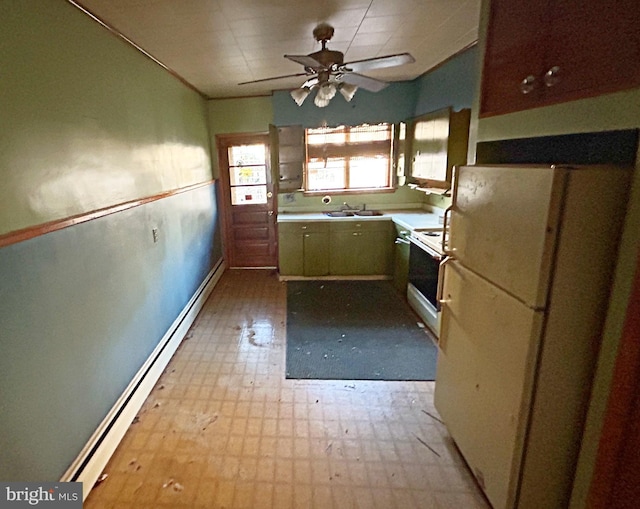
(248, 202)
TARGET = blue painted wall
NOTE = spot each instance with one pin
(451, 84)
(392, 104)
(89, 122)
(81, 310)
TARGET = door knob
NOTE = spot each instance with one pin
(269, 194)
(270, 212)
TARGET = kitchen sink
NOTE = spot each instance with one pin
(350, 213)
(368, 213)
(340, 213)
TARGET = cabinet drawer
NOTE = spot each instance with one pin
(343, 226)
(311, 227)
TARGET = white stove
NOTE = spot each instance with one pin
(426, 253)
(429, 239)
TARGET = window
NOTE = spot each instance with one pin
(349, 158)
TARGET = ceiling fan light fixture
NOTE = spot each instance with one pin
(327, 91)
(300, 94)
(348, 91)
(321, 101)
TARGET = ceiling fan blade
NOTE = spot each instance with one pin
(305, 60)
(370, 84)
(379, 62)
(276, 78)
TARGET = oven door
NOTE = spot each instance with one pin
(424, 264)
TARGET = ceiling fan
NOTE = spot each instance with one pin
(328, 73)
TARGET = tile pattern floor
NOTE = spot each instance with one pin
(223, 428)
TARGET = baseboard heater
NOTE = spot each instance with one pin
(90, 463)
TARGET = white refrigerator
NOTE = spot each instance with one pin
(524, 296)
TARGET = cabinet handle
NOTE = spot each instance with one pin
(528, 84)
(356, 234)
(552, 76)
(303, 227)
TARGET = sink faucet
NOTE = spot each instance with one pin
(346, 206)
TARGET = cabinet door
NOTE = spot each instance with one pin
(290, 254)
(439, 142)
(316, 253)
(361, 249)
(514, 52)
(593, 47)
(290, 250)
(401, 261)
(344, 253)
(376, 253)
(291, 157)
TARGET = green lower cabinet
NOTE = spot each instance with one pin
(340, 248)
(316, 254)
(401, 260)
(361, 249)
(303, 249)
(290, 253)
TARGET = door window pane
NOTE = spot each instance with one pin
(246, 175)
(243, 155)
(248, 195)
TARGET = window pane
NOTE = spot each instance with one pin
(329, 174)
(368, 172)
(248, 195)
(370, 133)
(241, 155)
(324, 135)
(248, 175)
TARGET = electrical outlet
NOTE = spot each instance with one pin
(154, 232)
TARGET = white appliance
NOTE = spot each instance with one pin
(425, 255)
(524, 295)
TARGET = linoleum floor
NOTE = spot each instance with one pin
(223, 428)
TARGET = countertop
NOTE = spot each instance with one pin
(410, 219)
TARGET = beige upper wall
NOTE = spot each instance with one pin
(242, 115)
(88, 121)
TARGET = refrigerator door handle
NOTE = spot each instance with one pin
(439, 288)
(445, 233)
(447, 211)
(442, 337)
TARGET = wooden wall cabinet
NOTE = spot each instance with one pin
(542, 53)
(439, 141)
(288, 156)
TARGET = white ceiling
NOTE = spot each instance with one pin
(216, 44)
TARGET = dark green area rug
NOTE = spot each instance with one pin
(355, 330)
